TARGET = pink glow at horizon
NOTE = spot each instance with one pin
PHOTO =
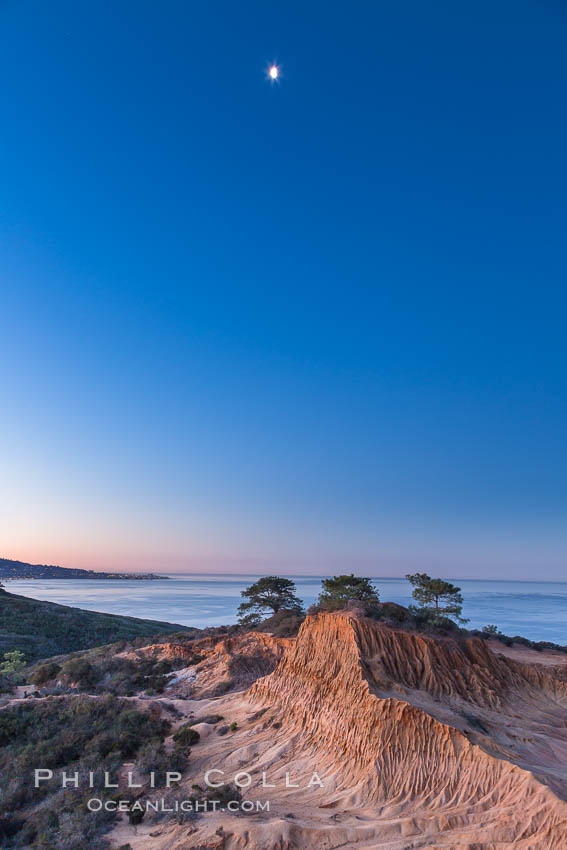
(395, 563)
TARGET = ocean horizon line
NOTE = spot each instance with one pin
(240, 576)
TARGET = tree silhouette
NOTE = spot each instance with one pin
(269, 593)
(339, 590)
(436, 597)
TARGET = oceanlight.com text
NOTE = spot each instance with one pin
(96, 804)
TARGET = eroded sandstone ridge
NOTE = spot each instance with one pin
(441, 728)
(419, 741)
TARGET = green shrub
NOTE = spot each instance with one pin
(127, 676)
(283, 624)
(209, 718)
(394, 612)
(153, 758)
(135, 816)
(80, 734)
(186, 736)
(225, 794)
(428, 620)
(80, 671)
(14, 662)
(45, 673)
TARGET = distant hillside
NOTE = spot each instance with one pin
(20, 569)
(40, 629)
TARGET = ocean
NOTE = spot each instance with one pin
(534, 609)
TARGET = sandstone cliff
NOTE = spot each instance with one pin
(420, 742)
(440, 728)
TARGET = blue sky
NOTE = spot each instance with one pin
(300, 328)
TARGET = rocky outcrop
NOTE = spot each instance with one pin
(236, 662)
(438, 731)
(214, 667)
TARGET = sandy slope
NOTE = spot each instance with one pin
(420, 742)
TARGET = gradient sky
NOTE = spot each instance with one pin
(304, 328)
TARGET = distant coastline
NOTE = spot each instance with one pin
(10, 569)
